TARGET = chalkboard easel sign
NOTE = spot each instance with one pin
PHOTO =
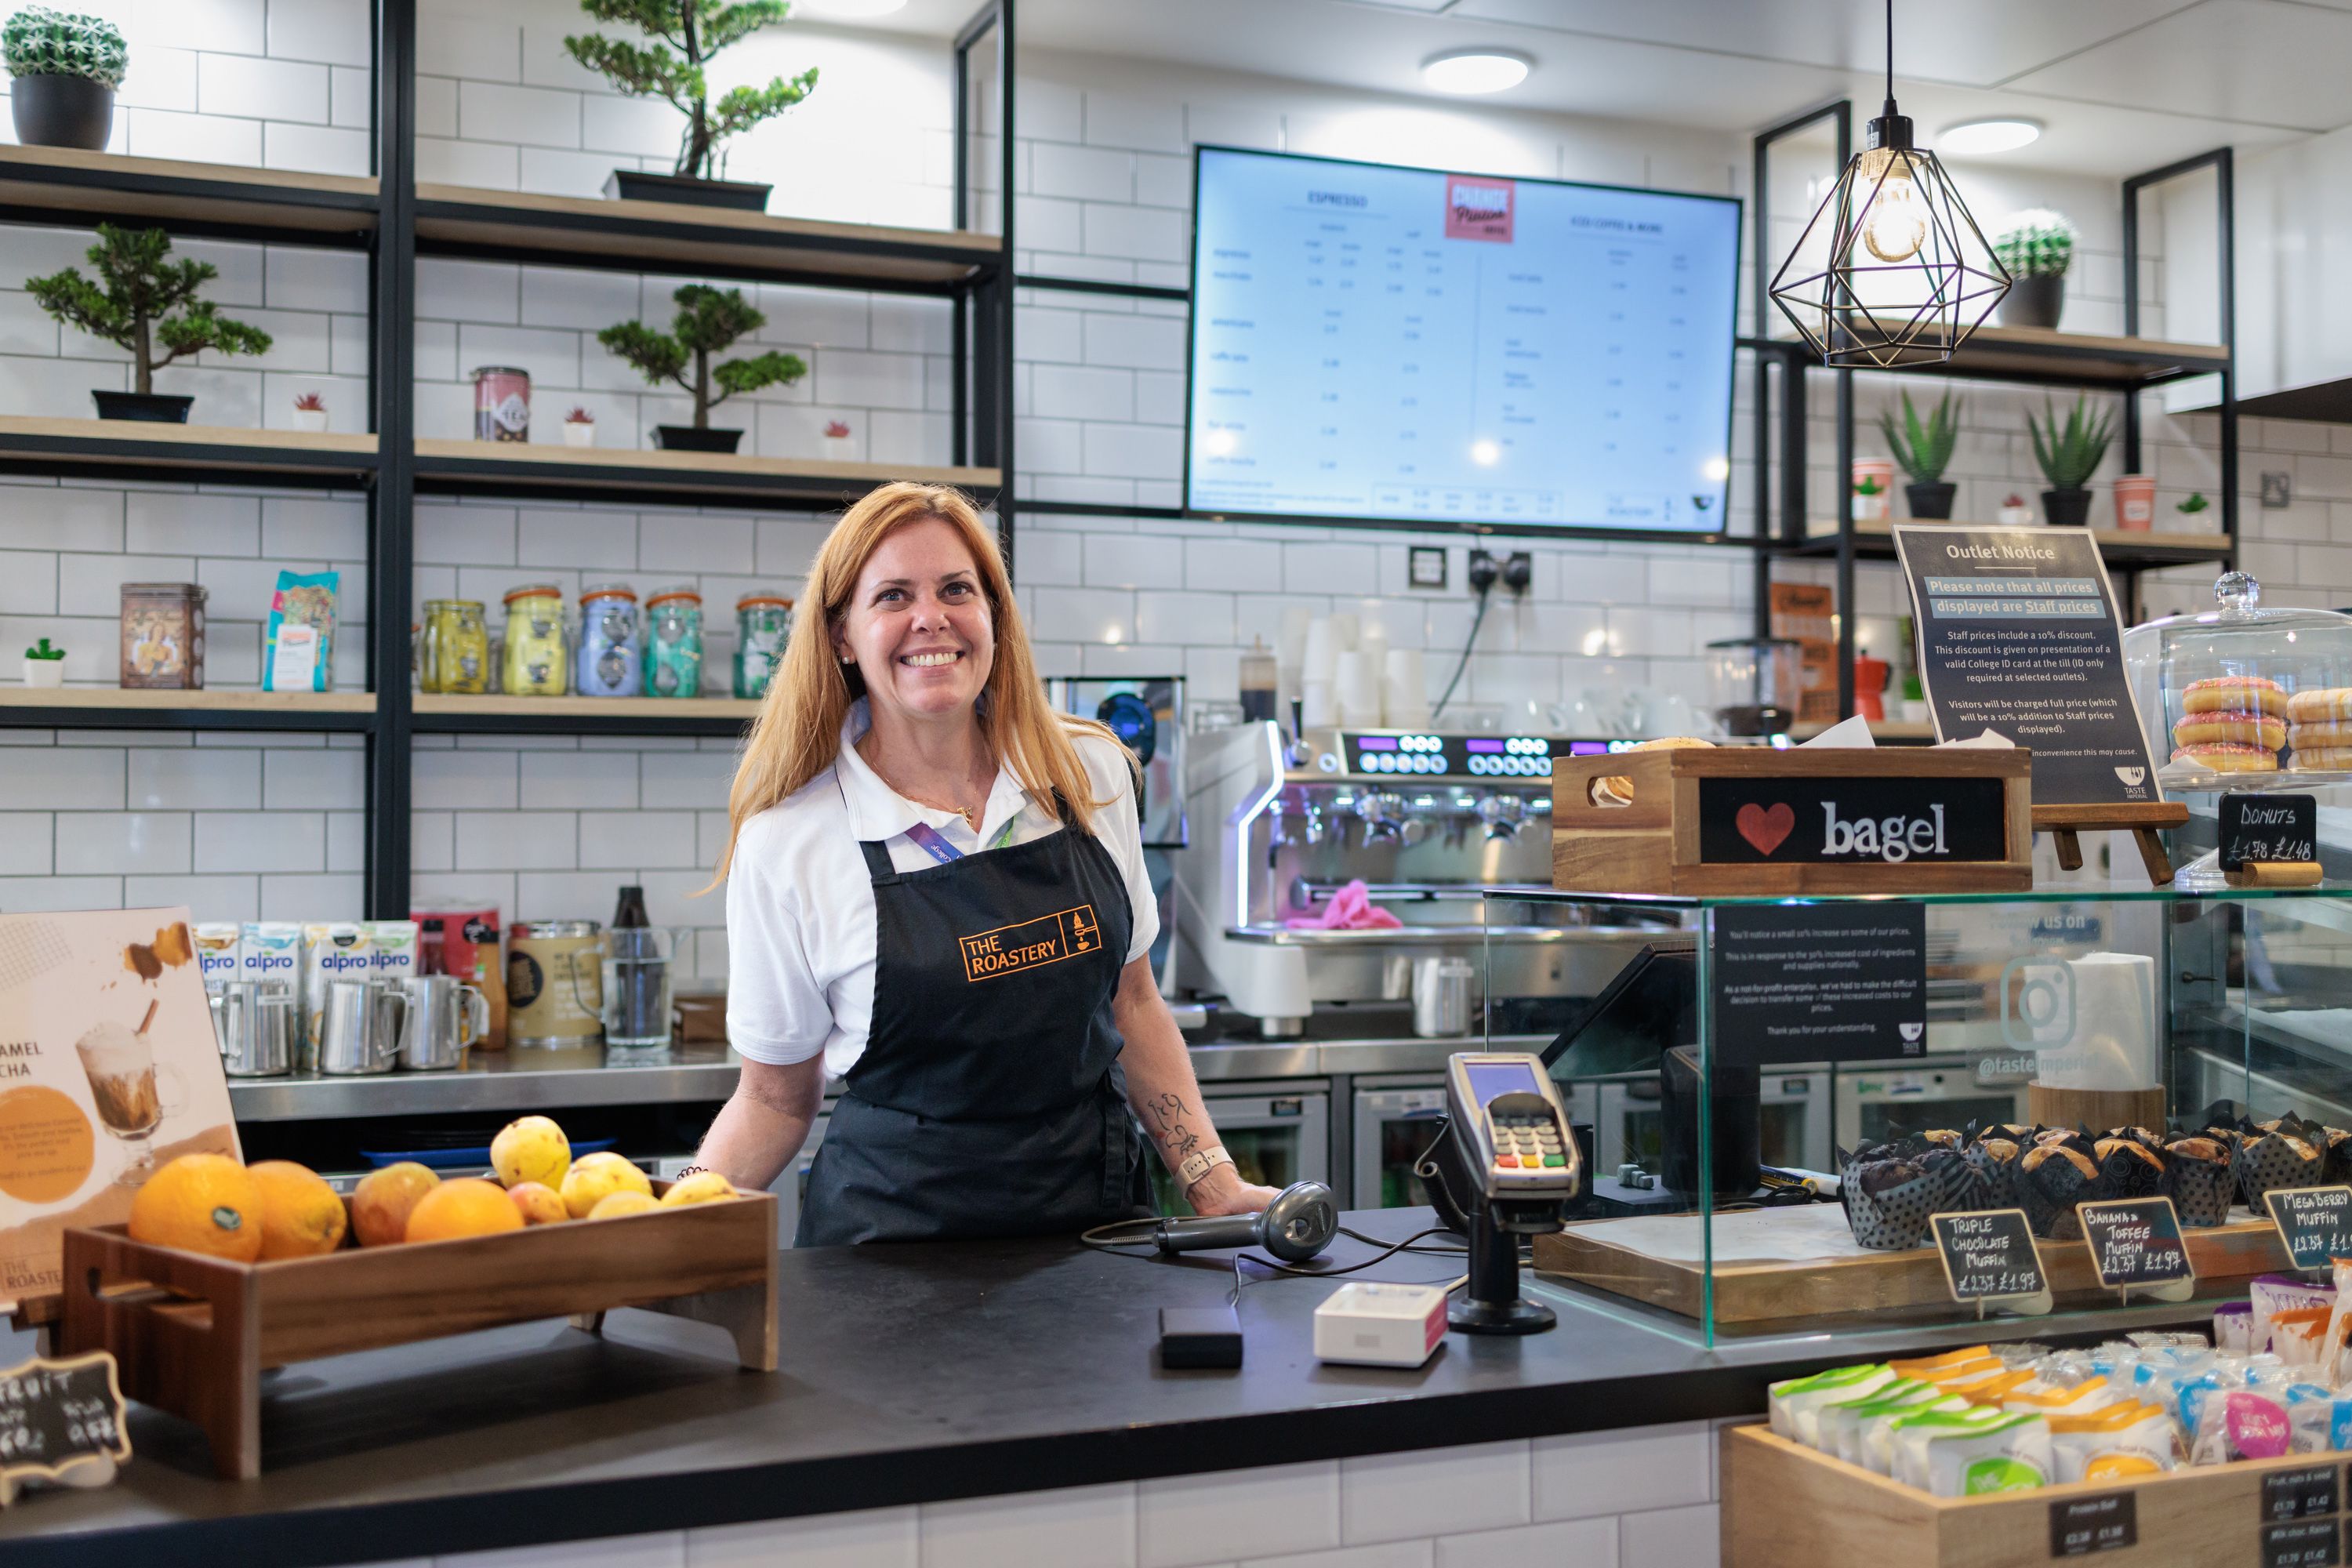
(2313, 1223)
(60, 1421)
(2136, 1245)
(2270, 840)
(1990, 1258)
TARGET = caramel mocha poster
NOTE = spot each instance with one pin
(108, 1068)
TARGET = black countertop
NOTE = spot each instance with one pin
(908, 1373)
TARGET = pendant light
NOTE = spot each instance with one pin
(1890, 271)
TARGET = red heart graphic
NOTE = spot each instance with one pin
(1768, 830)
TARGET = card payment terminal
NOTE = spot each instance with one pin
(1509, 1162)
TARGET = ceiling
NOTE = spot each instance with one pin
(2120, 85)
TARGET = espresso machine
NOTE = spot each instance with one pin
(1439, 826)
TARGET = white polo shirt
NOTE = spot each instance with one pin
(800, 902)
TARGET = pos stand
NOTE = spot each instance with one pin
(1491, 1303)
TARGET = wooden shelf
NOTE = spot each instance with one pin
(2130, 551)
(438, 713)
(109, 708)
(107, 447)
(2070, 359)
(67, 185)
(638, 235)
(657, 478)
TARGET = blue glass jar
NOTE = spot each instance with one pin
(673, 643)
(611, 656)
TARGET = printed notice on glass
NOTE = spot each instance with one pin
(2019, 634)
(1810, 982)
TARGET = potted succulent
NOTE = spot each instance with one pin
(64, 70)
(2013, 513)
(2193, 505)
(1924, 447)
(688, 34)
(2036, 246)
(147, 304)
(309, 412)
(708, 321)
(579, 427)
(45, 664)
(2069, 455)
(839, 446)
(1874, 482)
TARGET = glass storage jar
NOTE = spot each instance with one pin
(459, 639)
(535, 661)
(427, 655)
(763, 621)
(610, 654)
(2239, 694)
(673, 643)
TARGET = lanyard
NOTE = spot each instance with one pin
(933, 841)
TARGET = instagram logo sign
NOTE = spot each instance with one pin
(1478, 208)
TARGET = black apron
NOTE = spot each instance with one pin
(989, 1100)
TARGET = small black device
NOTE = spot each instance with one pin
(1298, 1224)
(1194, 1337)
(1507, 1166)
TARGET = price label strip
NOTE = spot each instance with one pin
(2081, 1526)
(61, 1421)
(2315, 1224)
(2136, 1245)
(1989, 1259)
(2299, 1494)
(2305, 1544)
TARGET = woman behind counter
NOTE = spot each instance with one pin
(936, 892)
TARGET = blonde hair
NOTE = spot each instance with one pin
(797, 734)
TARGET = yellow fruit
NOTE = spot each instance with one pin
(531, 1149)
(703, 1187)
(595, 1177)
(538, 1203)
(203, 1202)
(620, 1204)
(300, 1214)
(467, 1207)
(380, 1203)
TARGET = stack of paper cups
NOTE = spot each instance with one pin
(1345, 630)
(1318, 658)
(1405, 690)
(1358, 690)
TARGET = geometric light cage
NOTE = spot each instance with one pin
(1907, 274)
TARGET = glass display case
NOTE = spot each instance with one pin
(1948, 1044)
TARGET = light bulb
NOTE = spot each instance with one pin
(1486, 454)
(1218, 442)
(1897, 224)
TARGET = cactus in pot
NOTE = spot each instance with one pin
(45, 664)
(64, 70)
(2036, 246)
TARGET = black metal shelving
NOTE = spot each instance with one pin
(394, 220)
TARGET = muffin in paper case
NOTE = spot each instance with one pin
(2052, 1178)
(1888, 1193)
(2198, 1179)
(2285, 1153)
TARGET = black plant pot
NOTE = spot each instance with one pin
(1931, 503)
(2034, 301)
(62, 111)
(2065, 508)
(686, 439)
(629, 184)
(156, 407)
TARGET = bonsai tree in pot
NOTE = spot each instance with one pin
(146, 304)
(688, 34)
(2069, 455)
(1924, 449)
(66, 68)
(708, 322)
(2036, 246)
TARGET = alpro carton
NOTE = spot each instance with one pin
(271, 949)
(217, 950)
(332, 951)
(394, 943)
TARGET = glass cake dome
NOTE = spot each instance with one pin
(2238, 694)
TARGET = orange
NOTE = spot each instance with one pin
(531, 1149)
(203, 1202)
(703, 1187)
(380, 1203)
(538, 1203)
(467, 1207)
(300, 1214)
(594, 1177)
(623, 1203)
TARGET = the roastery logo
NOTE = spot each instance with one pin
(1048, 939)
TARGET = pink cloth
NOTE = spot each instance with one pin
(1351, 908)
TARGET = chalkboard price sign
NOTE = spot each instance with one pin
(57, 1415)
(2313, 1223)
(2081, 1526)
(2306, 1543)
(2299, 1494)
(1988, 1255)
(2136, 1244)
(2268, 828)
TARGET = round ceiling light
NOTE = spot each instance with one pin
(1475, 71)
(1973, 137)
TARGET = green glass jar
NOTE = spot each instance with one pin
(673, 663)
(763, 622)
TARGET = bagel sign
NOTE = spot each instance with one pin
(1838, 821)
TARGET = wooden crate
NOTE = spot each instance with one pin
(1788, 1506)
(193, 1334)
(1842, 1276)
(1654, 845)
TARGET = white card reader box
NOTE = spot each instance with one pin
(1381, 1325)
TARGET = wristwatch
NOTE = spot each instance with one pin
(1196, 1165)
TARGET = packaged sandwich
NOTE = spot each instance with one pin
(1992, 1388)
(2234, 1327)
(2124, 1439)
(1933, 1366)
(2011, 1454)
(2235, 1424)
(1914, 1433)
(1793, 1402)
(2318, 1420)
(2040, 1398)
(1837, 1425)
(1875, 1429)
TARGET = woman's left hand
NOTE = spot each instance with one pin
(1222, 1192)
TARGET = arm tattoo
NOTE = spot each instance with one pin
(1166, 1109)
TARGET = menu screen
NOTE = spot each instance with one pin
(1372, 342)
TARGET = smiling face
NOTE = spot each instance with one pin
(918, 625)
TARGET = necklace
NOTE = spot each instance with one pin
(971, 813)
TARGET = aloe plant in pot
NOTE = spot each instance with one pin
(1924, 449)
(2069, 455)
(64, 70)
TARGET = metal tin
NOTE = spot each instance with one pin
(672, 664)
(764, 623)
(555, 983)
(612, 652)
(163, 636)
(536, 660)
(501, 403)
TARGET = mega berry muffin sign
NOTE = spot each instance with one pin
(108, 1068)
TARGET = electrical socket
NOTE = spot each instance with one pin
(1520, 570)
(1483, 570)
(2278, 489)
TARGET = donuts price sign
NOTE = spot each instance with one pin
(2267, 828)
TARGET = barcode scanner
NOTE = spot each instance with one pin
(1296, 1226)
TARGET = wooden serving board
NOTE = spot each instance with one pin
(1804, 1262)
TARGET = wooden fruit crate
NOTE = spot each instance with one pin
(193, 1334)
(1788, 1506)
